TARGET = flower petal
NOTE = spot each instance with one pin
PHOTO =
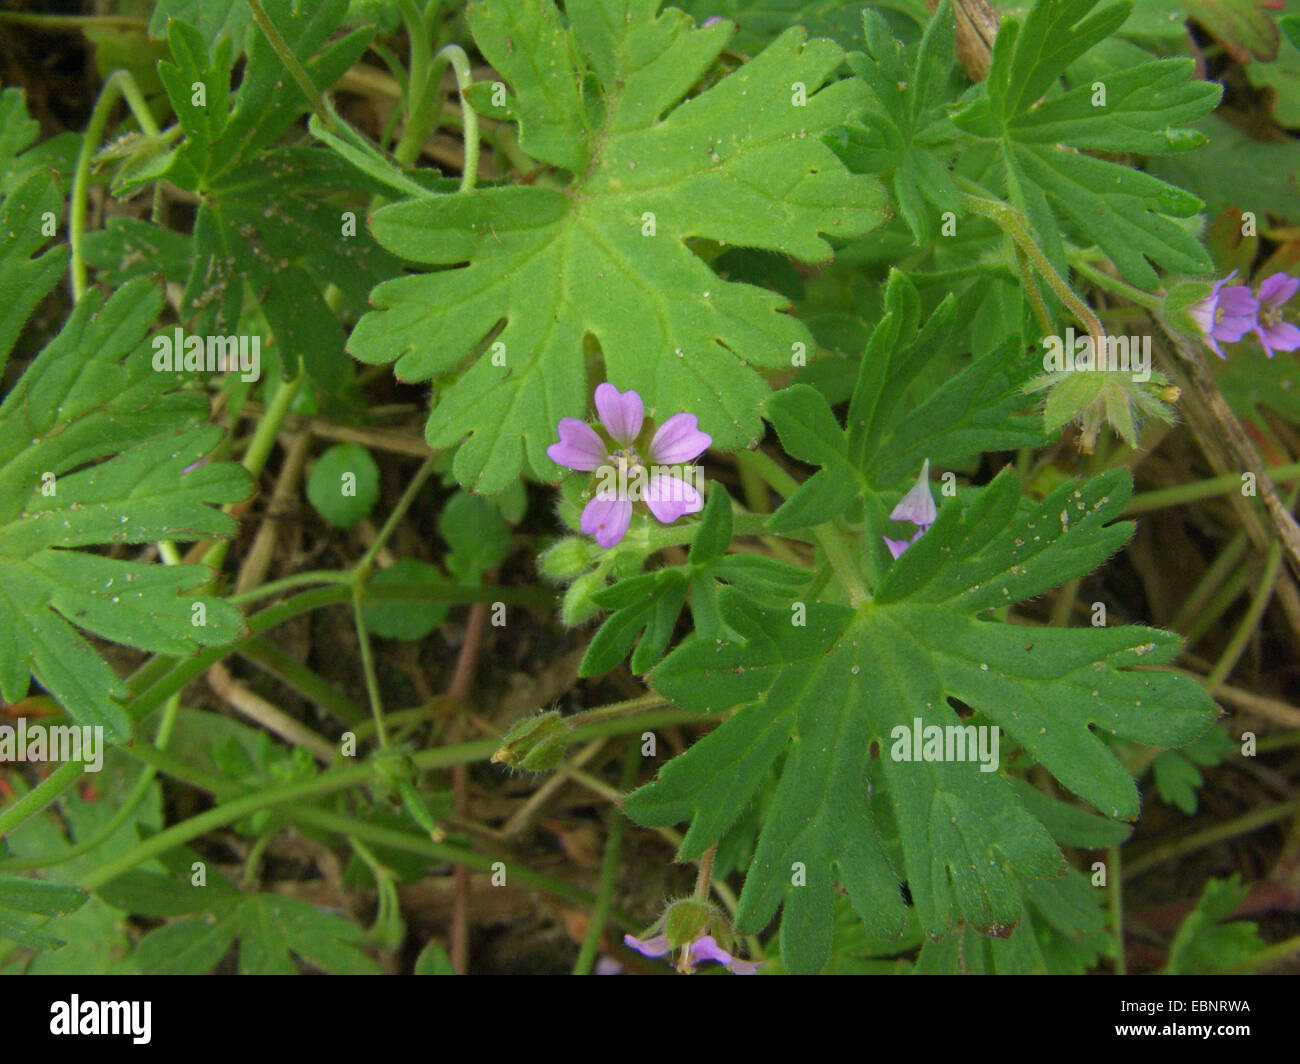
(1237, 309)
(579, 447)
(651, 947)
(620, 412)
(1278, 289)
(917, 505)
(606, 519)
(678, 441)
(896, 546)
(1280, 337)
(670, 497)
(707, 949)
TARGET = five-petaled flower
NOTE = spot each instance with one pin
(1275, 334)
(916, 506)
(1227, 314)
(633, 469)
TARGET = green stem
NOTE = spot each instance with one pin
(1246, 629)
(259, 450)
(1013, 223)
(40, 796)
(1116, 893)
(368, 667)
(294, 67)
(608, 870)
(826, 534)
(120, 84)
(362, 569)
(1115, 285)
(1181, 494)
(469, 118)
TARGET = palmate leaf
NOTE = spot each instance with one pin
(826, 694)
(272, 930)
(29, 192)
(94, 449)
(1125, 212)
(266, 220)
(741, 163)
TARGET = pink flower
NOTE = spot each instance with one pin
(1226, 314)
(916, 506)
(625, 478)
(1275, 334)
(702, 949)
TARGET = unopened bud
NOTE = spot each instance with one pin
(685, 921)
(566, 560)
(535, 744)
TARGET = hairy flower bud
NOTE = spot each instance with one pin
(535, 744)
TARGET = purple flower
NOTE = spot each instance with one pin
(625, 477)
(1226, 314)
(701, 950)
(916, 506)
(1274, 333)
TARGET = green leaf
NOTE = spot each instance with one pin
(1176, 775)
(433, 960)
(210, 18)
(809, 432)
(27, 895)
(95, 449)
(25, 276)
(1125, 212)
(599, 94)
(192, 945)
(272, 931)
(265, 219)
(713, 536)
(1236, 170)
(1205, 943)
(477, 534)
(837, 695)
(406, 620)
(1282, 76)
(910, 92)
(344, 484)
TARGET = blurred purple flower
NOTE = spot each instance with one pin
(1227, 314)
(916, 506)
(677, 442)
(1274, 333)
(702, 949)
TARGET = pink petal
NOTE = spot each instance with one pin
(1280, 337)
(678, 441)
(917, 505)
(651, 947)
(707, 949)
(1278, 289)
(606, 519)
(579, 447)
(670, 497)
(620, 412)
(896, 546)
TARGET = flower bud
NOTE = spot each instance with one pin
(535, 744)
(685, 921)
(567, 559)
(578, 605)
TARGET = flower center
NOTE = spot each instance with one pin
(627, 458)
(1270, 316)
